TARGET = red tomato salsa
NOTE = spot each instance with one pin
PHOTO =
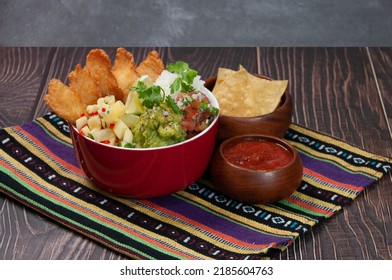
(258, 155)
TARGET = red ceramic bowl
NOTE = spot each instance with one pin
(149, 172)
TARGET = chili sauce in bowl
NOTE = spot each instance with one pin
(256, 168)
(259, 155)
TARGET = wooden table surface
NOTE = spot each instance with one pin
(342, 92)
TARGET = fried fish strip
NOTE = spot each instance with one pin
(151, 66)
(81, 81)
(64, 101)
(124, 70)
(99, 65)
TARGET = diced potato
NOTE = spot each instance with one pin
(107, 122)
(103, 109)
(112, 114)
(92, 108)
(103, 124)
(93, 131)
(94, 122)
(108, 100)
(130, 120)
(104, 135)
(119, 129)
(82, 121)
(85, 130)
(128, 136)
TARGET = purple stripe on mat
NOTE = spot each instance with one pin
(334, 172)
(215, 222)
(64, 152)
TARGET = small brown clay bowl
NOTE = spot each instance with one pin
(275, 123)
(256, 186)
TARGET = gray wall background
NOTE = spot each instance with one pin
(196, 23)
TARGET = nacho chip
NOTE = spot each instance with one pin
(99, 65)
(272, 92)
(64, 101)
(124, 70)
(151, 66)
(242, 94)
(223, 74)
(85, 86)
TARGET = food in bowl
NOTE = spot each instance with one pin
(258, 155)
(274, 123)
(256, 168)
(168, 126)
(166, 112)
(146, 172)
(241, 94)
(160, 107)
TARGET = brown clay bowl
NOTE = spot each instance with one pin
(256, 186)
(274, 124)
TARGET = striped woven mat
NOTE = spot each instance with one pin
(38, 168)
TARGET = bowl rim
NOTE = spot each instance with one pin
(204, 90)
(277, 140)
(286, 96)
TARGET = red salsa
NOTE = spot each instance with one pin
(258, 155)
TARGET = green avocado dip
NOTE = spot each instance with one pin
(158, 127)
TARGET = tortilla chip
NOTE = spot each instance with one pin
(151, 66)
(233, 95)
(85, 86)
(124, 70)
(64, 101)
(223, 74)
(272, 92)
(99, 65)
(242, 94)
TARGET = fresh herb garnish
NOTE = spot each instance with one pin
(214, 111)
(172, 104)
(129, 145)
(206, 107)
(151, 96)
(185, 81)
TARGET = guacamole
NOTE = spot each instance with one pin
(157, 127)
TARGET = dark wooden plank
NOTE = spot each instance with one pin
(21, 78)
(334, 92)
(382, 64)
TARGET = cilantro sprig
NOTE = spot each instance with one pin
(187, 75)
(151, 96)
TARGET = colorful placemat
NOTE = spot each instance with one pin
(38, 168)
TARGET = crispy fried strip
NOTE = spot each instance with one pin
(64, 101)
(98, 78)
(124, 70)
(151, 66)
(99, 65)
(81, 81)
